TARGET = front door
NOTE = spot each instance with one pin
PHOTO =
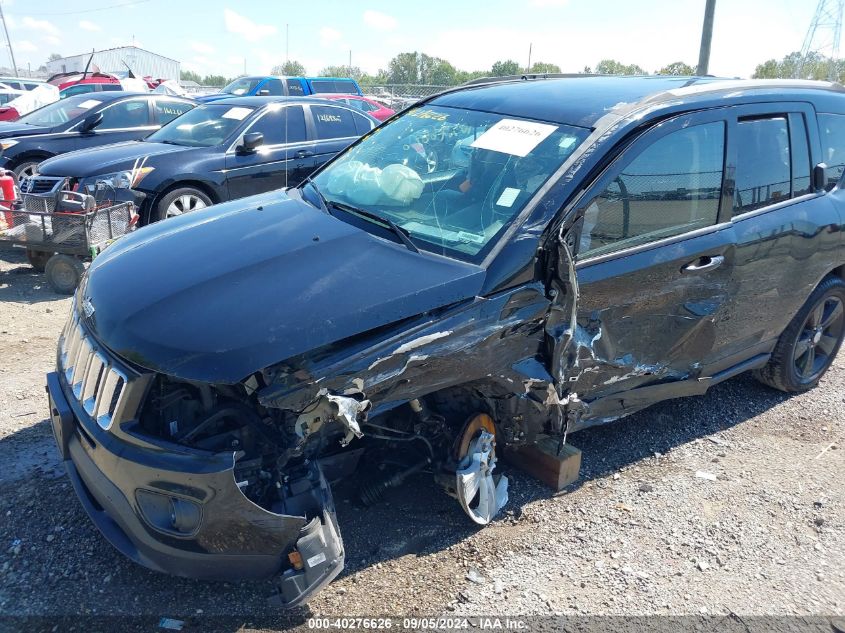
(283, 160)
(126, 120)
(654, 261)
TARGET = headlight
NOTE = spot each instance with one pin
(117, 180)
(7, 144)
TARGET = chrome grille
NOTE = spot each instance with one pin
(98, 385)
(41, 184)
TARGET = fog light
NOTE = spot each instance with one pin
(172, 515)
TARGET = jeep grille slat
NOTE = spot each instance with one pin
(95, 381)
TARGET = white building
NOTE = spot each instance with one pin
(143, 63)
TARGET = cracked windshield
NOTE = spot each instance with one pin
(451, 179)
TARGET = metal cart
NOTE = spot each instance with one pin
(59, 241)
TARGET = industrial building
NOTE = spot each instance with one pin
(115, 60)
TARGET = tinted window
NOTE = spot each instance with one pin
(166, 111)
(323, 85)
(61, 111)
(126, 114)
(762, 167)
(110, 87)
(800, 155)
(362, 123)
(333, 122)
(286, 125)
(345, 85)
(78, 89)
(30, 86)
(670, 188)
(295, 87)
(273, 87)
(833, 146)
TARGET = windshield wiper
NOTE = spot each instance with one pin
(323, 204)
(401, 233)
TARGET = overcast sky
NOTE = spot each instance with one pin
(219, 36)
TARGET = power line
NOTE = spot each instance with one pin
(111, 6)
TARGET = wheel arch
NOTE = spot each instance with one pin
(30, 155)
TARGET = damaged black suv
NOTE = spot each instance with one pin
(501, 264)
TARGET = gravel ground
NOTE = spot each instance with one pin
(729, 503)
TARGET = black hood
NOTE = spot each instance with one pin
(218, 294)
(107, 159)
(10, 129)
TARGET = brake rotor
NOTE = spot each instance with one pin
(480, 495)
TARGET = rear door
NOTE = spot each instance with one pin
(284, 159)
(335, 128)
(654, 261)
(787, 234)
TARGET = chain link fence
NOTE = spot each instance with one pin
(400, 96)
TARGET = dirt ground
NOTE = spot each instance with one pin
(729, 503)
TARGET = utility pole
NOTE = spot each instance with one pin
(528, 68)
(287, 40)
(706, 37)
(8, 41)
(349, 72)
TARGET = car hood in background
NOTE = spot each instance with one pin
(13, 128)
(106, 159)
(218, 294)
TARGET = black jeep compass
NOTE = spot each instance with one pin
(568, 252)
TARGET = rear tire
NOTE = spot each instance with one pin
(808, 345)
(38, 259)
(64, 273)
(180, 201)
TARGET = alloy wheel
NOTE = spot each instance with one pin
(818, 338)
(185, 204)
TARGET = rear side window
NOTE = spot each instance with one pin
(286, 125)
(762, 167)
(295, 88)
(345, 86)
(673, 186)
(334, 122)
(362, 123)
(324, 85)
(109, 87)
(166, 111)
(832, 128)
(273, 88)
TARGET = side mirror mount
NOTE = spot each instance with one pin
(820, 177)
(252, 140)
(90, 122)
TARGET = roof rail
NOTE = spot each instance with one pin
(526, 77)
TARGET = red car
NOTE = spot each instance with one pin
(373, 108)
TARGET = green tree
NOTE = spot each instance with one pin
(419, 68)
(614, 67)
(586, 71)
(190, 75)
(215, 80)
(676, 68)
(463, 76)
(342, 71)
(503, 69)
(543, 67)
(53, 57)
(816, 66)
(290, 68)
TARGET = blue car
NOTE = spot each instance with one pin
(265, 86)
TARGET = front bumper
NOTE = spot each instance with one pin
(181, 512)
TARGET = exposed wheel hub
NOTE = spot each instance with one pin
(479, 494)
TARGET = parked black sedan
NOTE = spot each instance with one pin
(216, 152)
(81, 122)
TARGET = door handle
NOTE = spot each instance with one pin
(303, 153)
(704, 264)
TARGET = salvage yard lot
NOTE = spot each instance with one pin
(641, 533)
